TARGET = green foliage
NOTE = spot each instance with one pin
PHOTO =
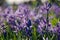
(19, 35)
(54, 21)
(34, 3)
(34, 35)
(55, 1)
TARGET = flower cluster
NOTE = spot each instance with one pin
(27, 19)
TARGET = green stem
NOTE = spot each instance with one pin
(52, 37)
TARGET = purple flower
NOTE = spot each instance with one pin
(44, 8)
(56, 9)
(24, 18)
(58, 31)
(29, 23)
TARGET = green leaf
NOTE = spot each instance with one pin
(8, 30)
(34, 3)
(34, 36)
(15, 38)
(19, 35)
(54, 37)
(2, 37)
(54, 21)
